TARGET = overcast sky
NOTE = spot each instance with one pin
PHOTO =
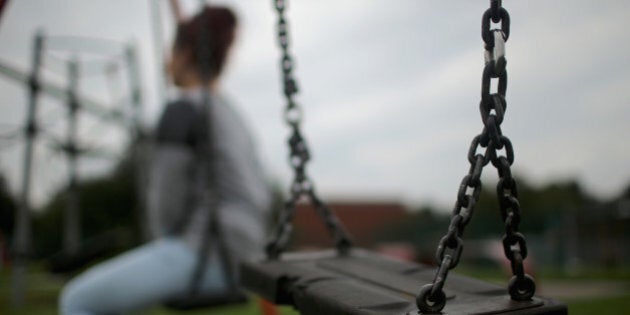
(390, 88)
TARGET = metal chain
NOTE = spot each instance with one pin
(299, 155)
(431, 298)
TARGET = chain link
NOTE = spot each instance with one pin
(302, 186)
(431, 298)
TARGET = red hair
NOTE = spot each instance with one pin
(220, 25)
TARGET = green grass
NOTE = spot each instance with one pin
(495, 274)
(40, 298)
(605, 305)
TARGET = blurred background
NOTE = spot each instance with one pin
(390, 91)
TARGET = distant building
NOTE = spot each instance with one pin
(363, 220)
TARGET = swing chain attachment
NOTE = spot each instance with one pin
(302, 186)
(431, 299)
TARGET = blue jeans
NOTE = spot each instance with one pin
(145, 276)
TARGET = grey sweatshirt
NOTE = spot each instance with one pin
(175, 188)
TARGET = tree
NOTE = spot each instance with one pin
(109, 219)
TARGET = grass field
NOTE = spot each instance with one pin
(586, 295)
(603, 305)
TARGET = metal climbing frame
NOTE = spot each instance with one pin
(22, 245)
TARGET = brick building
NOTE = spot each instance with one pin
(365, 221)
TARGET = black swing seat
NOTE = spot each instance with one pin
(207, 300)
(362, 282)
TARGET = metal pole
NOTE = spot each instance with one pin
(72, 215)
(158, 43)
(22, 238)
(136, 92)
(138, 140)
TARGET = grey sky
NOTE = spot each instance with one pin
(391, 88)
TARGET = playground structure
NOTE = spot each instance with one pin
(106, 59)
